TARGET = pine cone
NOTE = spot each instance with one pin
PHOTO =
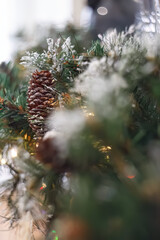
(42, 99)
(50, 153)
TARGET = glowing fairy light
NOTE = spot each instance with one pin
(109, 148)
(3, 161)
(43, 186)
(13, 152)
(90, 114)
(102, 11)
(130, 172)
(56, 237)
(25, 136)
(131, 176)
(37, 145)
(86, 112)
(83, 107)
(105, 149)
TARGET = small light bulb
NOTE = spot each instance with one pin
(102, 11)
(91, 114)
(25, 136)
(3, 161)
(131, 176)
(43, 186)
(37, 145)
(14, 152)
(109, 148)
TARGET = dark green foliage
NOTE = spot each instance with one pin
(111, 182)
(96, 49)
(13, 113)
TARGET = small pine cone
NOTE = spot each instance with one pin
(42, 99)
(50, 153)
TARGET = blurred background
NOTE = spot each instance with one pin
(24, 23)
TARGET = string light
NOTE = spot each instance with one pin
(105, 149)
(131, 177)
(43, 186)
(3, 161)
(86, 112)
(83, 107)
(90, 114)
(37, 145)
(130, 172)
(109, 148)
(14, 152)
(107, 157)
(25, 136)
(56, 237)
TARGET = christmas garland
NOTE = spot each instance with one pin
(89, 127)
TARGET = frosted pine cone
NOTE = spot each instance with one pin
(42, 99)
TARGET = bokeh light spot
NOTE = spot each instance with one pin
(102, 11)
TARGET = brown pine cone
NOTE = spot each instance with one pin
(42, 99)
(50, 153)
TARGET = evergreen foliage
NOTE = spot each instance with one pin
(13, 113)
(99, 168)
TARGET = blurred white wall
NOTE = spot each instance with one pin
(16, 15)
(78, 6)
